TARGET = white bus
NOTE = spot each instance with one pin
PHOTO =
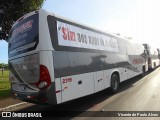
(153, 57)
(54, 60)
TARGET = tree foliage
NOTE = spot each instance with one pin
(3, 66)
(11, 10)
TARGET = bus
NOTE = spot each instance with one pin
(53, 60)
(158, 53)
(153, 56)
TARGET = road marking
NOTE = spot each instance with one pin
(15, 106)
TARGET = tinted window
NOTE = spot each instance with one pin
(24, 35)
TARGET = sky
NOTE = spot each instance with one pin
(138, 19)
(3, 51)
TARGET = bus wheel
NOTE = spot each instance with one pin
(114, 83)
(143, 71)
(154, 66)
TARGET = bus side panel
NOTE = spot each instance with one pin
(146, 65)
(136, 58)
(136, 64)
(122, 73)
(76, 72)
(110, 65)
(107, 77)
(58, 90)
(77, 86)
(99, 80)
(122, 66)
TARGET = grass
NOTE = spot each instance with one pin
(4, 85)
(5, 75)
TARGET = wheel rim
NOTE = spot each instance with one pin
(114, 82)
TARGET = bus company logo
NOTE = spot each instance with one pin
(6, 114)
(137, 61)
(22, 28)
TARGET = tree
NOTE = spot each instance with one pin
(11, 10)
(3, 65)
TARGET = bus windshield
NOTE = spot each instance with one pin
(24, 36)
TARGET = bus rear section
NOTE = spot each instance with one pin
(29, 75)
(153, 57)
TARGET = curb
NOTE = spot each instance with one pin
(15, 106)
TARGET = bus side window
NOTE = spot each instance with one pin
(61, 64)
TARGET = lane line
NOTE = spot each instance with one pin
(15, 106)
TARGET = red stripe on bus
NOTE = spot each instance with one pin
(58, 91)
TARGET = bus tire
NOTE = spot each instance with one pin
(155, 66)
(143, 71)
(114, 83)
